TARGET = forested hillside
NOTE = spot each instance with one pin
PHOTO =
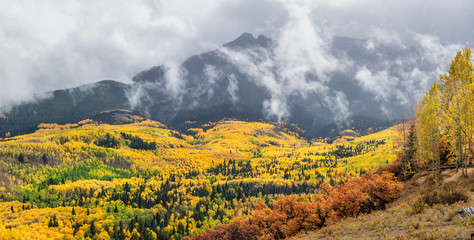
(142, 180)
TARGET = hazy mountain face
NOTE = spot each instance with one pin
(258, 78)
(353, 82)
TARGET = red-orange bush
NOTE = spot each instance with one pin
(365, 194)
(396, 168)
(347, 200)
(293, 213)
(381, 189)
(289, 216)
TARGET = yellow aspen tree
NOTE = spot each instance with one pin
(457, 106)
(428, 123)
(465, 99)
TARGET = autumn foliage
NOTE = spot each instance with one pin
(241, 229)
(293, 214)
(445, 117)
(396, 168)
(143, 180)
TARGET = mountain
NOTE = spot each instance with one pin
(66, 106)
(216, 86)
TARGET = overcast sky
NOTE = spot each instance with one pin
(48, 44)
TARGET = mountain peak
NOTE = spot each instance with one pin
(247, 40)
(154, 74)
(245, 37)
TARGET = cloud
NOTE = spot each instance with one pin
(299, 64)
(138, 96)
(175, 81)
(339, 105)
(212, 76)
(259, 66)
(380, 83)
(303, 46)
(434, 52)
(403, 77)
(233, 88)
(356, 18)
(378, 37)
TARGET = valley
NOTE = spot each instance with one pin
(93, 179)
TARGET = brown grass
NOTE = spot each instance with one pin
(405, 218)
(445, 193)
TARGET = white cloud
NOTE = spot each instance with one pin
(435, 52)
(378, 37)
(175, 81)
(298, 65)
(138, 95)
(303, 46)
(339, 105)
(381, 84)
(233, 88)
(211, 74)
(259, 66)
(403, 77)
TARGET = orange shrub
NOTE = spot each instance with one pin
(347, 200)
(396, 168)
(293, 214)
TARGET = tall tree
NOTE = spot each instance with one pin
(428, 125)
(21, 158)
(405, 139)
(457, 106)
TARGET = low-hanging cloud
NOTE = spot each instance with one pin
(233, 88)
(403, 77)
(175, 81)
(379, 83)
(212, 75)
(301, 63)
(378, 37)
(298, 64)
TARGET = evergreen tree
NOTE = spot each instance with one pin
(44, 158)
(21, 158)
(92, 229)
